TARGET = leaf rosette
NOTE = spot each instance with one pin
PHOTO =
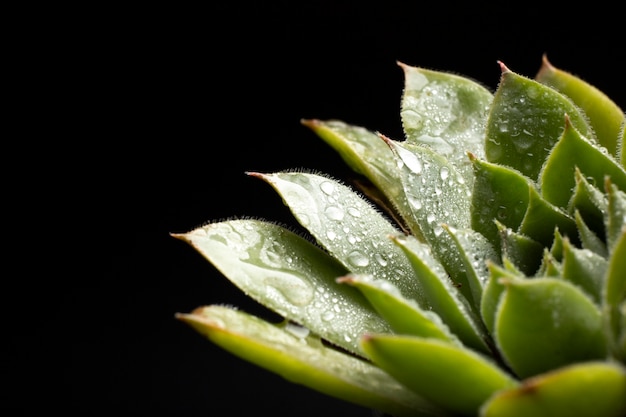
(475, 268)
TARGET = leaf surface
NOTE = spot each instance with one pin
(301, 358)
(545, 323)
(453, 377)
(588, 389)
(290, 276)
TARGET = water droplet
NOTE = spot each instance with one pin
(331, 235)
(444, 172)
(380, 259)
(430, 218)
(354, 212)
(358, 259)
(328, 316)
(334, 213)
(411, 161)
(327, 187)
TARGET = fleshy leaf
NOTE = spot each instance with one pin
(614, 296)
(366, 153)
(584, 268)
(445, 112)
(437, 195)
(605, 116)
(526, 120)
(590, 202)
(301, 358)
(621, 143)
(476, 251)
(493, 291)
(521, 250)
(545, 323)
(557, 177)
(347, 226)
(289, 275)
(453, 377)
(615, 216)
(588, 389)
(588, 238)
(444, 299)
(403, 315)
(511, 198)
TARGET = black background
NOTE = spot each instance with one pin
(142, 121)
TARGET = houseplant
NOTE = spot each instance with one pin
(475, 268)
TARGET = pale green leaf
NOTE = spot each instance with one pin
(443, 297)
(587, 389)
(352, 230)
(366, 153)
(301, 358)
(403, 315)
(456, 378)
(604, 115)
(290, 276)
(445, 112)
(545, 323)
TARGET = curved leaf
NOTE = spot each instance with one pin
(443, 298)
(545, 323)
(368, 154)
(349, 227)
(475, 251)
(588, 389)
(288, 275)
(453, 377)
(605, 116)
(445, 112)
(437, 195)
(585, 269)
(572, 151)
(303, 359)
(522, 251)
(403, 315)
(525, 121)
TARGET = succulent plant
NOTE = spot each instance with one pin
(476, 267)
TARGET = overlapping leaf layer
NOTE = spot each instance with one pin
(480, 270)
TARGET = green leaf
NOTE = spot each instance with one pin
(403, 315)
(572, 151)
(494, 289)
(605, 116)
(437, 195)
(347, 226)
(523, 252)
(301, 358)
(453, 377)
(475, 251)
(588, 389)
(444, 299)
(511, 198)
(585, 269)
(615, 216)
(588, 238)
(445, 112)
(545, 323)
(590, 202)
(614, 297)
(525, 121)
(621, 143)
(290, 276)
(367, 153)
